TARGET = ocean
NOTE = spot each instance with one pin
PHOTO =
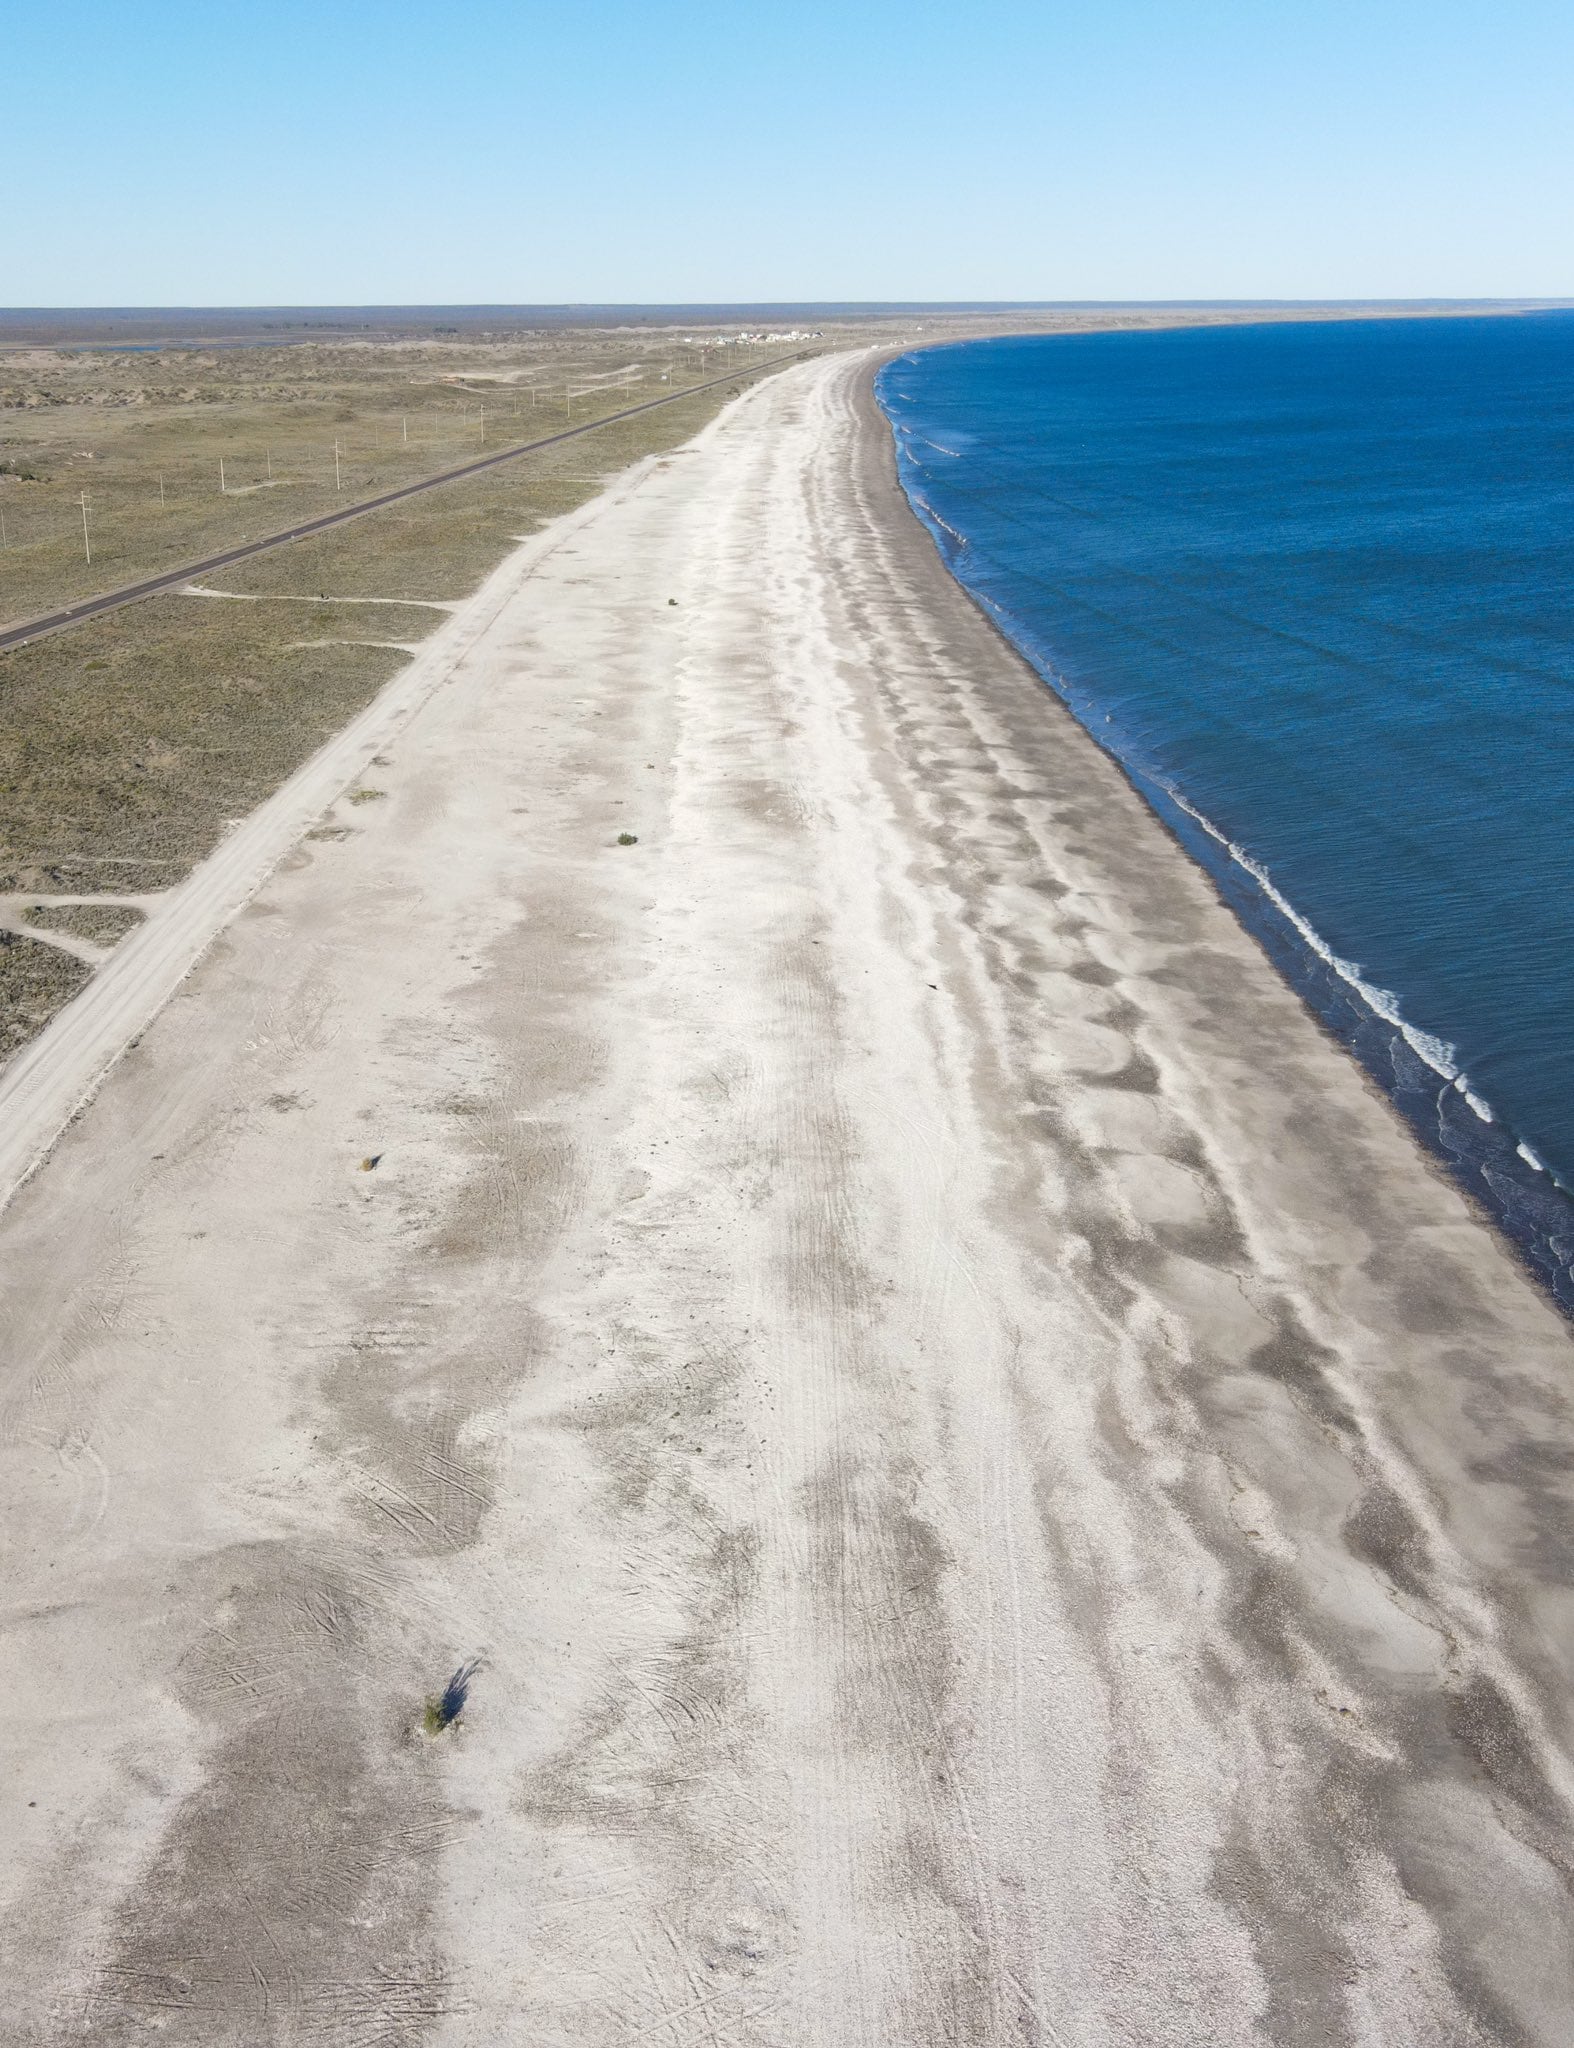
(1312, 584)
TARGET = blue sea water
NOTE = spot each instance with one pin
(1313, 585)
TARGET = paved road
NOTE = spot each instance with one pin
(172, 579)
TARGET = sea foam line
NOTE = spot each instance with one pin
(1434, 1052)
(929, 512)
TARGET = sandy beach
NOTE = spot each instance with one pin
(992, 1493)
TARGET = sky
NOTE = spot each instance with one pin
(629, 151)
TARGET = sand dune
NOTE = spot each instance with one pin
(996, 1496)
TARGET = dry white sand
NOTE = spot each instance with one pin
(997, 1497)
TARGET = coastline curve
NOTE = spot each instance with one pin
(1415, 1069)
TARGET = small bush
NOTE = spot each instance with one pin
(442, 1712)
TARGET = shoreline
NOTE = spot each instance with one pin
(759, 1194)
(1144, 789)
(1517, 1196)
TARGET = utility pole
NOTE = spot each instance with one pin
(336, 483)
(87, 546)
(4, 543)
(405, 422)
(222, 491)
(269, 453)
(161, 491)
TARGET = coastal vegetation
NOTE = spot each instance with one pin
(182, 452)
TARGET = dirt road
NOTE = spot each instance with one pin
(996, 1498)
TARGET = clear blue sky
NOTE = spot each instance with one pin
(503, 150)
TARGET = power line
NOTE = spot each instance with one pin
(133, 593)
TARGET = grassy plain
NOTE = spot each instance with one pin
(102, 924)
(181, 453)
(35, 981)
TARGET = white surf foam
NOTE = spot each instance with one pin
(1482, 1109)
(1434, 1052)
(933, 516)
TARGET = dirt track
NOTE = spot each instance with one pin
(997, 1498)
